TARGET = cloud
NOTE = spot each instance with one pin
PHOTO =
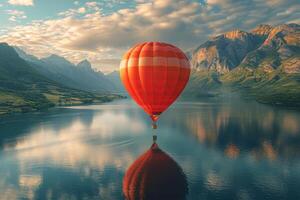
(91, 34)
(15, 15)
(72, 12)
(21, 2)
(95, 5)
(91, 4)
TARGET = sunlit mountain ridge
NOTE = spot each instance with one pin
(264, 63)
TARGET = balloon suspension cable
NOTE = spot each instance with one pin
(154, 138)
(154, 126)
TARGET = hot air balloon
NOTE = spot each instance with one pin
(154, 176)
(154, 74)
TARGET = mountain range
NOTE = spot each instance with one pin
(80, 76)
(28, 83)
(264, 62)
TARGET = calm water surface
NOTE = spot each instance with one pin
(229, 149)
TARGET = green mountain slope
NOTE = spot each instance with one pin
(268, 72)
(273, 88)
(202, 84)
(24, 89)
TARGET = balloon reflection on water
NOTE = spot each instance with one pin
(155, 175)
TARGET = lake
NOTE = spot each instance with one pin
(217, 148)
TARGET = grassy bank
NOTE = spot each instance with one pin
(275, 88)
(29, 101)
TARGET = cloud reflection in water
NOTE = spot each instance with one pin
(225, 151)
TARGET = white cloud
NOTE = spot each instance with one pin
(99, 37)
(73, 12)
(91, 4)
(12, 18)
(15, 15)
(15, 12)
(21, 2)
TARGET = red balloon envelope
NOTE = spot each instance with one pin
(154, 74)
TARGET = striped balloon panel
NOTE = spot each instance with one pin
(154, 75)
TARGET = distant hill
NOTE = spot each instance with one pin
(264, 62)
(114, 77)
(80, 76)
(23, 88)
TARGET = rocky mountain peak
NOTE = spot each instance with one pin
(7, 51)
(224, 52)
(284, 34)
(262, 29)
(84, 64)
(4, 44)
(264, 44)
(54, 56)
(57, 59)
(235, 34)
(24, 55)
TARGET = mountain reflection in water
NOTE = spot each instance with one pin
(227, 150)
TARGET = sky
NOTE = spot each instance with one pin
(101, 31)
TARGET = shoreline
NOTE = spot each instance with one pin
(97, 102)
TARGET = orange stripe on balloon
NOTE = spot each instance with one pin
(154, 61)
